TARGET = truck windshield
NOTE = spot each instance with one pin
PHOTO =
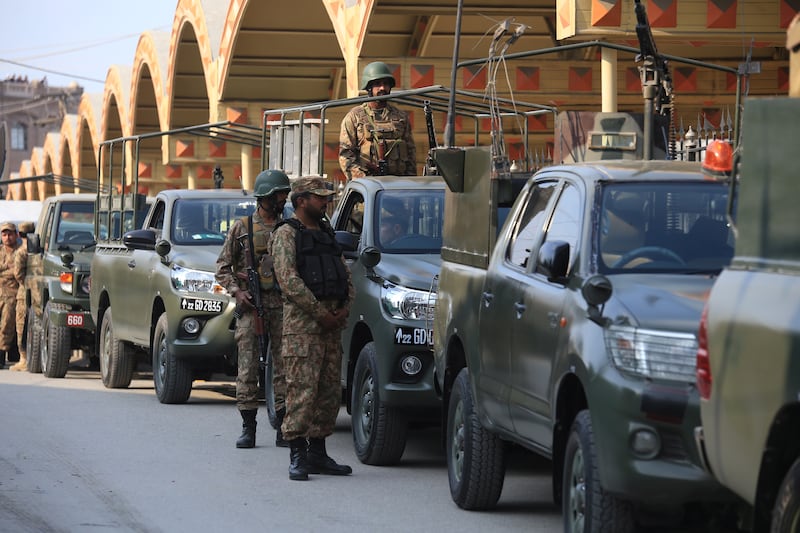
(664, 227)
(410, 222)
(76, 224)
(207, 221)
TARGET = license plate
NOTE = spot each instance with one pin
(75, 320)
(413, 336)
(201, 305)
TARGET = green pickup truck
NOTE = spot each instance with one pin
(748, 361)
(154, 297)
(57, 284)
(387, 367)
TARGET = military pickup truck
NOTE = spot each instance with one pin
(395, 227)
(153, 293)
(572, 331)
(748, 359)
(57, 284)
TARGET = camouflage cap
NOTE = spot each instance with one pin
(8, 226)
(313, 184)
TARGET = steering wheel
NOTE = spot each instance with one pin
(648, 252)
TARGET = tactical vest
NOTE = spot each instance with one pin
(384, 135)
(259, 239)
(319, 262)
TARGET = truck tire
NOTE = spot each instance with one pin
(475, 457)
(379, 431)
(786, 513)
(171, 376)
(33, 342)
(117, 360)
(586, 506)
(56, 348)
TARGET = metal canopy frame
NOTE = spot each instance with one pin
(469, 104)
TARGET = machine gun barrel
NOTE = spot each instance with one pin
(430, 163)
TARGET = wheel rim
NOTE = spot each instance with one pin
(161, 360)
(366, 412)
(457, 442)
(105, 351)
(577, 493)
(43, 349)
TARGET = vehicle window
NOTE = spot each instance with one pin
(410, 222)
(565, 224)
(206, 221)
(352, 218)
(665, 227)
(157, 220)
(530, 224)
(48, 227)
(76, 224)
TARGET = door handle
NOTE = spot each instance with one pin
(132, 263)
(519, 307)
(487, 298)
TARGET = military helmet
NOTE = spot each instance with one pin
(271, 181)
(376, 71)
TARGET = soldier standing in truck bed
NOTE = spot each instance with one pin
(375, 137)
(252, 234)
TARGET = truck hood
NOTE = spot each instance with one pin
(196, 257)
(662, 302)
(415, 271)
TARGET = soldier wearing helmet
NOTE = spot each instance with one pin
(376, 137)
(246, 244)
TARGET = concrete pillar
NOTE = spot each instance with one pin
(191, 177)
(608, 80)
(247, 168)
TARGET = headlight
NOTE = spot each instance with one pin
(65, 281)
(653, 354)
(408, 304)
(188, 280)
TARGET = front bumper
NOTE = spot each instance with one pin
(213, 341)
(628, 412)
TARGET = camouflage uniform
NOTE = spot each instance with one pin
(231, 268)
(312, 357)
(20, 269)
(9, 287)
(363, 128)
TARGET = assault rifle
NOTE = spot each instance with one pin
(254, 288)
(383, 167)
(430, 162)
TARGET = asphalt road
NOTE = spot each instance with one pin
(76, 457)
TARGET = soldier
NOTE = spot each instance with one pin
(20, 270)
(8, 288)
(251, 234)
(376, 136)
(317, 291)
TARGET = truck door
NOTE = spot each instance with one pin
(500, 298)
(538, 329)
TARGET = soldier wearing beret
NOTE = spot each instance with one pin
(317, 291)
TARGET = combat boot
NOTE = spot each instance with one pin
(280, 442)
(21, 365)
(248, 437)
(298, 466)
(320, 463)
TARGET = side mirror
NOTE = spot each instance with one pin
(554, 260)
(349, 244)
(139, 239)
(34, 243)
